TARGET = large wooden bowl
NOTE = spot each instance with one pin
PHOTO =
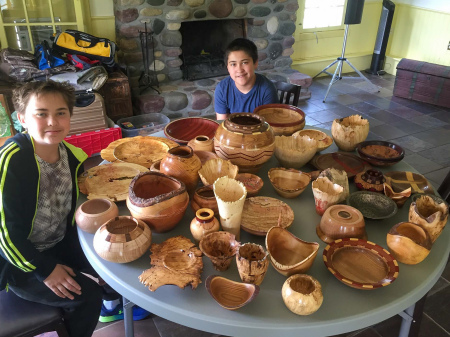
(285, 119)
(289, 255)
(216, 168)
(349, 131)
(294, 152)
(288, 183)
(184, 129)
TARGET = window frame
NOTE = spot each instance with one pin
(301, 14)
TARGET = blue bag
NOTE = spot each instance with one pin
(46, 58)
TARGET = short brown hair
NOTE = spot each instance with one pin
(22, 94)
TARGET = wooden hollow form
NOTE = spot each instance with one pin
(302, 294)
(370, 180)
(229, 294)
(431, 214)
(93, 213)
(252, 262)
(219, 247)
(203, 224)
(202, 143)
(122, 239)
(204, 198)
(216, 168)
(349, 131)
(290, 255)
(252, 183)
(204, 156)
(294, 152)
(157, 199)
(408, 242)
(284, 119)
(288, 183)
(230, 195)
(341, 221)
(323, 140)
(326, 194)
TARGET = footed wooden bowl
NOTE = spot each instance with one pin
(288, 183)
(229, 294)
(302, 294)
(341, 221)
(219, 247)
(93, 213)
(289, 255)
(409, 242)
(323, 140)
(284, 119)
(294, 152)
(349, 131)
(216, 168)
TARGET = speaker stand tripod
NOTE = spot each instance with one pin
(338, 72)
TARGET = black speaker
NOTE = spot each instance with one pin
(384, 28)
(354, 11)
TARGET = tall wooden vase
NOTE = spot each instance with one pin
(183, 164)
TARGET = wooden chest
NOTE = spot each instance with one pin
(117, 95)
(423, 82)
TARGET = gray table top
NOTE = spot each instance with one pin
(344, 308)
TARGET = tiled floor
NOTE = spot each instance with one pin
(424, 132)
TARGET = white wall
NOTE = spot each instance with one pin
(437, 5)
(101, 7)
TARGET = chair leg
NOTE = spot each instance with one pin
(61, 330)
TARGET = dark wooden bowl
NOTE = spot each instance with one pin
(184, 129)
(380, 153)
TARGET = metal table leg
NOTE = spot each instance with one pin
(411, 319)
(128, 317)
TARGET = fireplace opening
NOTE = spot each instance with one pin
(204, 44)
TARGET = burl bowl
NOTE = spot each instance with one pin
(158, 200)
(184, 129)
(216, 168)
(326, 193)
(220, 248)
(285, 119)
(349, 131)
(380, 152)
(252, 183)
(323, 140)
(289, 255)
(288, 183)
(409, 242)
(204, 198)
(229, 294)
(339, 222)
(93, 213)
(252, 261)
(302, 294)
(294, 152)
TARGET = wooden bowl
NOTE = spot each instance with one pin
(294, 152)
(252, 183)
(284, 119)
(323, 140)
(288, 183)
(184, 129)
(202, 143)
(229, 294)
(204, 198)
(341, 221)
(409, 242)
(302, 294)
(326, 193)
(142, 151)
(349, 131)
(216, 168)
(252, 262)
(219, 247)
(360, 264)
(380, 152)
(93, 213)
(122, 239)
(204, 156)
(370, 180)
(372, 205)
(289, 255)
(157, 199)
(155, 166)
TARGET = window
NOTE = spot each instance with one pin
(25, 23)
(322, 14)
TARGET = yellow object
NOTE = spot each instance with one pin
(68, 41)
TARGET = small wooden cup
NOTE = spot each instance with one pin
(252, 263)
(220, 247)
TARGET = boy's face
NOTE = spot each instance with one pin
(242, 69)
(47, 118)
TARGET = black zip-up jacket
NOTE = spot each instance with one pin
(19, 191)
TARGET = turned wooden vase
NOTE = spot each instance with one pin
(202, 143)
(203, 224)
(182, 163)
(246, 140)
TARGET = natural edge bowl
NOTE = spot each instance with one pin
(349, 131)
(220, 248)
(380, 152)
(184, 129)
(323, 140)
(95, 212)
(289, 183)
(229, 294)
(216, 168)
(302, 294)
(252, 183)
(284, 119)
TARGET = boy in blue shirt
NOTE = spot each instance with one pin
(243, 90)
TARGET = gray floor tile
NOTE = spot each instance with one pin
(429, 328)
(428, 121)
(441, 115)
(366, 96)
(307, 106)
(407, 126)
(388, 131)
(438, 176)
(169, 329)
(364, 107)
(325, 116)
(439, 154)
(413, 143)
(143, 328)
(389, 327)
(310, 121)
(325, 106)
(387, 117)
(440, 285)
(383, 103)
(405, 112)
(344, 99)
(438, 309)
(372, 121)
(373, 136)
(436, 136)
(343, 111)
(423, 107)
(422, 164)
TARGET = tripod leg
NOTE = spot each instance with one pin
(334, 79)
(362, 76)
(325, 69)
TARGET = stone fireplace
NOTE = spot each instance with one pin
(268, 23)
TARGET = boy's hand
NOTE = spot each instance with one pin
(60, 281)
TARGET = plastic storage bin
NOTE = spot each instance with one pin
(94, 141)
(143, 125)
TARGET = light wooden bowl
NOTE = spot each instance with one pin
(289, 255)
(216, 168)
(349, 131)
(288, 183)
(284, 119)
(323, 140)
(294, 152)
(341, 221)
(93, 213)
(326, 194)
(219, 247)
(229, 294)
(252, 183)
(122, 239)
(409, 242)
(302, 294)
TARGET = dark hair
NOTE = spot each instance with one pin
(245, 45)
(22, 94)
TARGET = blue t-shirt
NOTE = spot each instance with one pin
(228, 98)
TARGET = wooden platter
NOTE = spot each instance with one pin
(109, 181)
(141, 150)
(402, 180)
(360, 264)
(348, 162)
(262, 213)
